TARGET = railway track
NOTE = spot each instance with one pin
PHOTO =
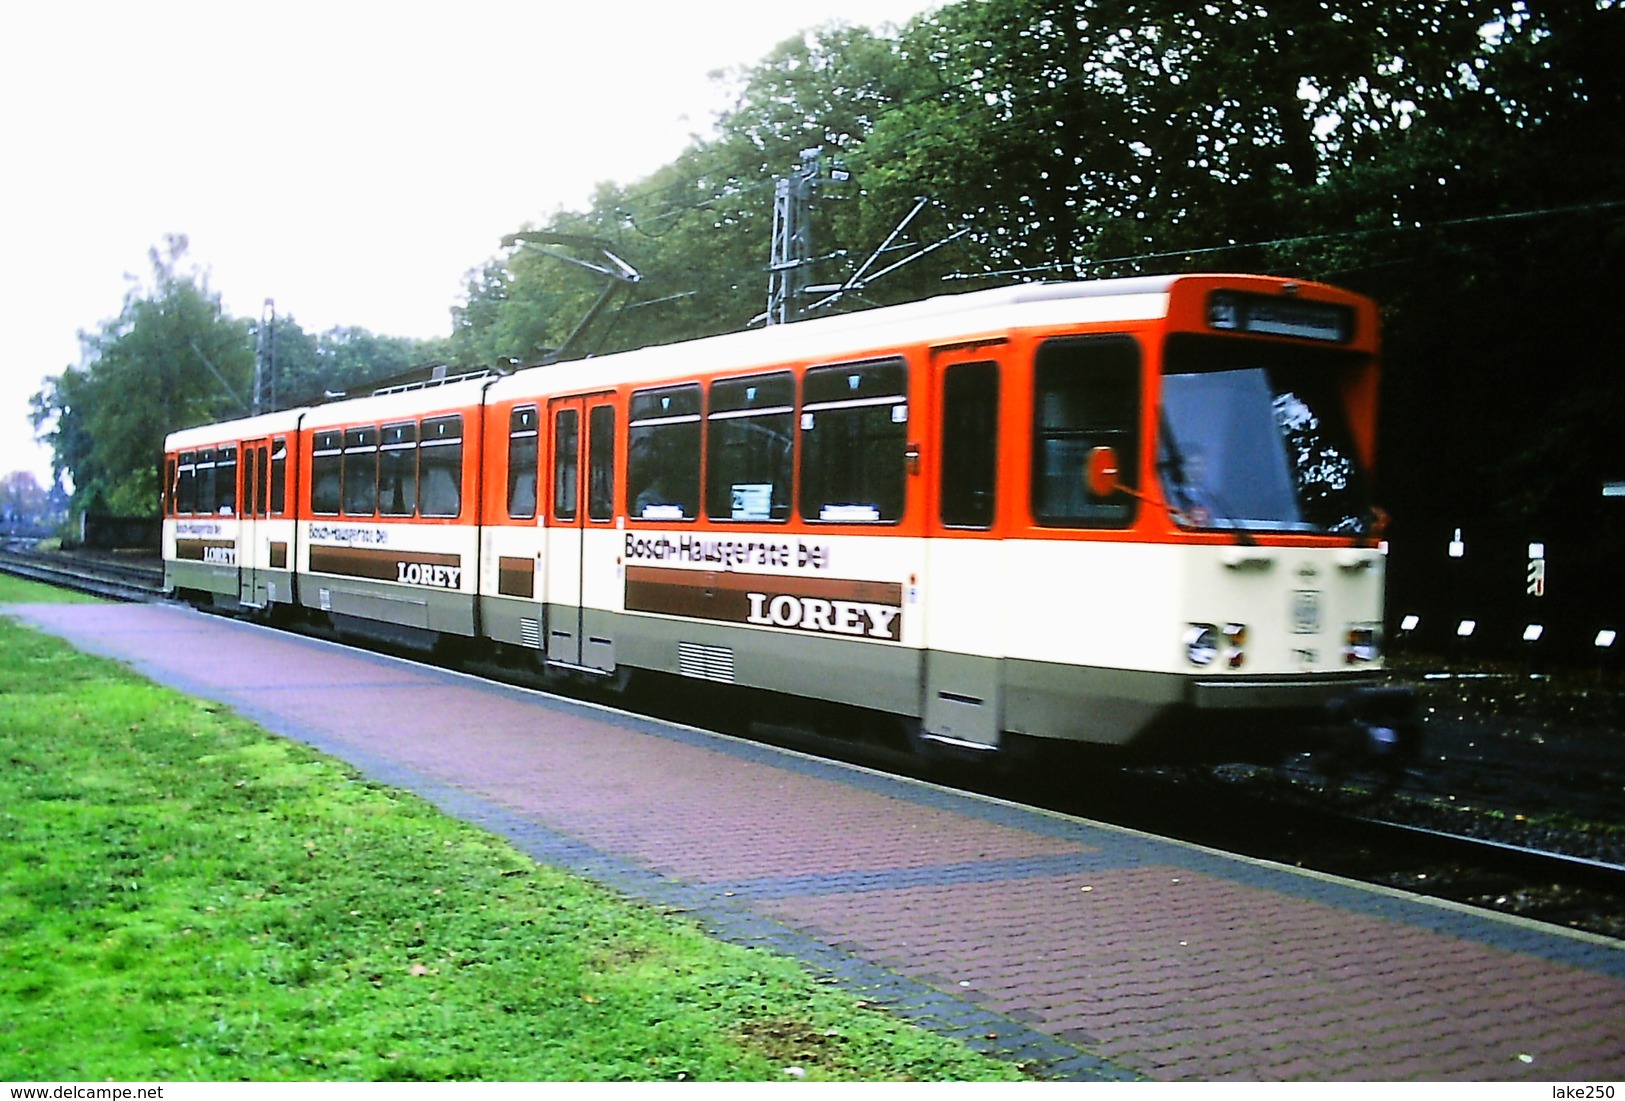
(95, 574)
(1453, 852)
(1398, 843)
(1438, 851)
(1557, 888)
(1443, 850)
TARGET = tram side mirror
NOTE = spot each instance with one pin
(1102, 473)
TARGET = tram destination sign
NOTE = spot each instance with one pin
(1232, 311)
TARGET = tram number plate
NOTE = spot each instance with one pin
(1306, 612)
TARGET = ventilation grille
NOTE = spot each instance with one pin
(705, 662)
(530, 633)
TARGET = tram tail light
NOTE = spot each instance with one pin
(1362, 643)
(1235, 644)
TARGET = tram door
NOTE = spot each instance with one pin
(253, 510)
(964, 605)
(580, 432)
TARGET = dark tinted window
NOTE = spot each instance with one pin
(186, 483)
(663, 454)
(440, 467)
(279, 475)
(970, 444)
(524, 438)
(361, 471)
(326, 461)
(225, 481)
(1086, 395)
(566, 463)
(854, 433)
(398, 469)
(205, 480)
(749, 430)
(601, 463)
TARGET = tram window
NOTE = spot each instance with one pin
(169, 486)
(854, 431)
(749, 429)
(326, 461)
(225, 481)
(186, 483)
(361, 471)
(398, 469)
(1087, 395)
(566, 463)
(663, 454)
(262, 478)
(203, 503)
(251, 503)
(970, 444)
(523, 455)
(279, 475)
(601, 463)
(440, 467)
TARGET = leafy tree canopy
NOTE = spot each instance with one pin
(1459, 160)
(173, 358)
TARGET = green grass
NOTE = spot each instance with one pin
(15, 590)
(183, 896)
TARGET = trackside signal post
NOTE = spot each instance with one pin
(792, 253)
(789, 283)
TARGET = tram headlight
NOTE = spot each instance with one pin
(1202, 643)
(1235, 644)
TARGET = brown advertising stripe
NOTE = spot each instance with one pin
(220, 552)
(516, 577)
(378, 565)
(825, 604)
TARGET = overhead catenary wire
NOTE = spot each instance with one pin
(1012, 109)
(1305, 239)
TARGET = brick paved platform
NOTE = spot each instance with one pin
(1080, 950)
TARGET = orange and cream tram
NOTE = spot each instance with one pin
(1131, 512)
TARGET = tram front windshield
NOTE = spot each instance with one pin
(1254, 435)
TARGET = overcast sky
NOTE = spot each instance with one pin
(350, 160)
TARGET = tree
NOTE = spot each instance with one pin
(171, 359)
(699, 229)
(344, 359)
(25, 506)
(1459, 160)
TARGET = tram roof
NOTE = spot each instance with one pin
(943, 319)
